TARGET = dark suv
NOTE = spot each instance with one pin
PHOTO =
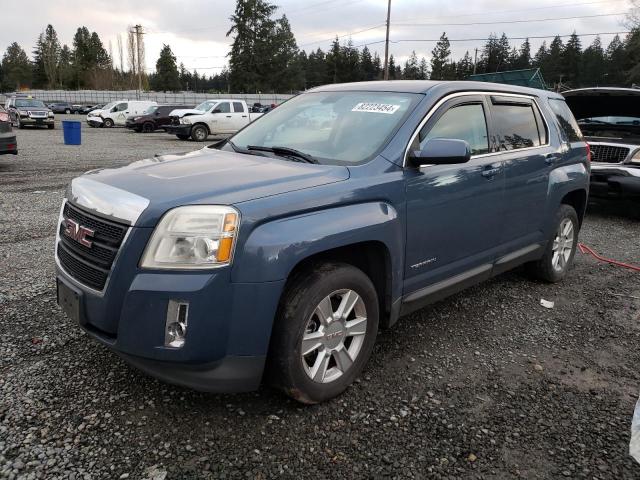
(27, 111)
(276, 255)
(153, 119)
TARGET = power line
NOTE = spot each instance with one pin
(503, 22)
(342, 36)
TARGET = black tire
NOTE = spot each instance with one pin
(544, 269)
(51, 127)
(285, 367)
(19, 123)
(199, 133)
(182, 137)
(148, 127)
(108, 123)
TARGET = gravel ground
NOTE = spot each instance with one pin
(486, 384)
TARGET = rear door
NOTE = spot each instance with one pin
(528, 157)
(454, 212)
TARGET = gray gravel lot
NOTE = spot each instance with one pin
(486, 384)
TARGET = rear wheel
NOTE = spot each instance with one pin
(148, 127)
(182, 136)
(560, 249)
(324, 333)
(199, 133)
(108, 123)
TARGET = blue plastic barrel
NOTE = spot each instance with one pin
(71, 131)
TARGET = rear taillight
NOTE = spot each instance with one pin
(4, 117)
(588, 153)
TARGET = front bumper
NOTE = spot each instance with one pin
(622, 180)
(37, 121)
(8, 143)
(178, 129)
(227, 337)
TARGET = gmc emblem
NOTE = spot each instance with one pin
(77, 232)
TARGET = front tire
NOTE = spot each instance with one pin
(561, 247)
(324, 334)
(199, 133)
(108, 123)
(148, 127)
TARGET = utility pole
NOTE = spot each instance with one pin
(386, 44)
(138, 30)
(475, 62)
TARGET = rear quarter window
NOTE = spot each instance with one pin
(568, 126)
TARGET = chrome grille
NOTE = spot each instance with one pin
(90, 265)
(608, 153)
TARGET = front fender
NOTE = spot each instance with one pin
(274, 248)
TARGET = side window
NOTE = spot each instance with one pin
(568, 125)
(121, 107)
(238, 107)
(516, 126)
(224, 107)
(463, 122)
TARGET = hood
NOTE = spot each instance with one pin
(603, 102)
(209, 176)
(96, 112)
(181, 112)
(33, 109)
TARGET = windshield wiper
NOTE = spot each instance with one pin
(591, 120)
(285, 151)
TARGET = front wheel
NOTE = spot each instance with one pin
(148, 127)
(199, 133)
(108, 123)
(560, 249)
(325, 332)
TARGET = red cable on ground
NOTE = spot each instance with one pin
(584, 249)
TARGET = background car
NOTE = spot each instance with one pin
(8, 143)
(89, 108)
(29, 111)
(154, 118)
(63, 107)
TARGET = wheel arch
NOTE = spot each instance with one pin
(578, 200)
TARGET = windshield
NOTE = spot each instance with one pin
(333, 127)
(109, 106)
(150, 110)
(30, 103)
(611, 120)
(204, 106)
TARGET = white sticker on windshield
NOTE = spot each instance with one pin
(376, 108)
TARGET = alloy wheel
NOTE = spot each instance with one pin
(333, 336)
(562, 245)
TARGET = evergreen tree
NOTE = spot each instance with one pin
(334, 62)
(571, 60)
(316, 71)
(632, 47)
(16, 68)
(38, 73)
(377, 66)
(65, 67)
(252, 49)
(464, 67)
(616, 62)
(524, 56)
(393, 70)
(167, 77)
(423, 69)
(440, 57)
(286, 67)
(50, 50)
(411, 68)
(367, 67)
(552, 68)
(594, 67)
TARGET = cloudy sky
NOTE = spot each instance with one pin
(196, 29)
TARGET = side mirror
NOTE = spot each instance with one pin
(441, 151)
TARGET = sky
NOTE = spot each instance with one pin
(196, 29)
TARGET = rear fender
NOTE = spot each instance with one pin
(563, 180)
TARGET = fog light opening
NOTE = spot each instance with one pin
(176, 324)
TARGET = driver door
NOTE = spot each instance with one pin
(454, 212)
(121, 113)
(221, 120)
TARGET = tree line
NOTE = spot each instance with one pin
(265, 57)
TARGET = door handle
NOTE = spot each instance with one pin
(551, 159)
(491, 172)
(228, 116)
(244, 116)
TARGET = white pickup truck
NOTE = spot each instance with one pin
(220, 117)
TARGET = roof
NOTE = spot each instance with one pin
(424, 86)
(529, 77)
(602, 91)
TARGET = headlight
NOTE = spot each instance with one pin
(193, 237)
(51, 114)
(185, 121)
(636, 157)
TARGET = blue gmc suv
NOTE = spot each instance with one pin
(277, 254)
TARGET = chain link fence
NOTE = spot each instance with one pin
(92, 97)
